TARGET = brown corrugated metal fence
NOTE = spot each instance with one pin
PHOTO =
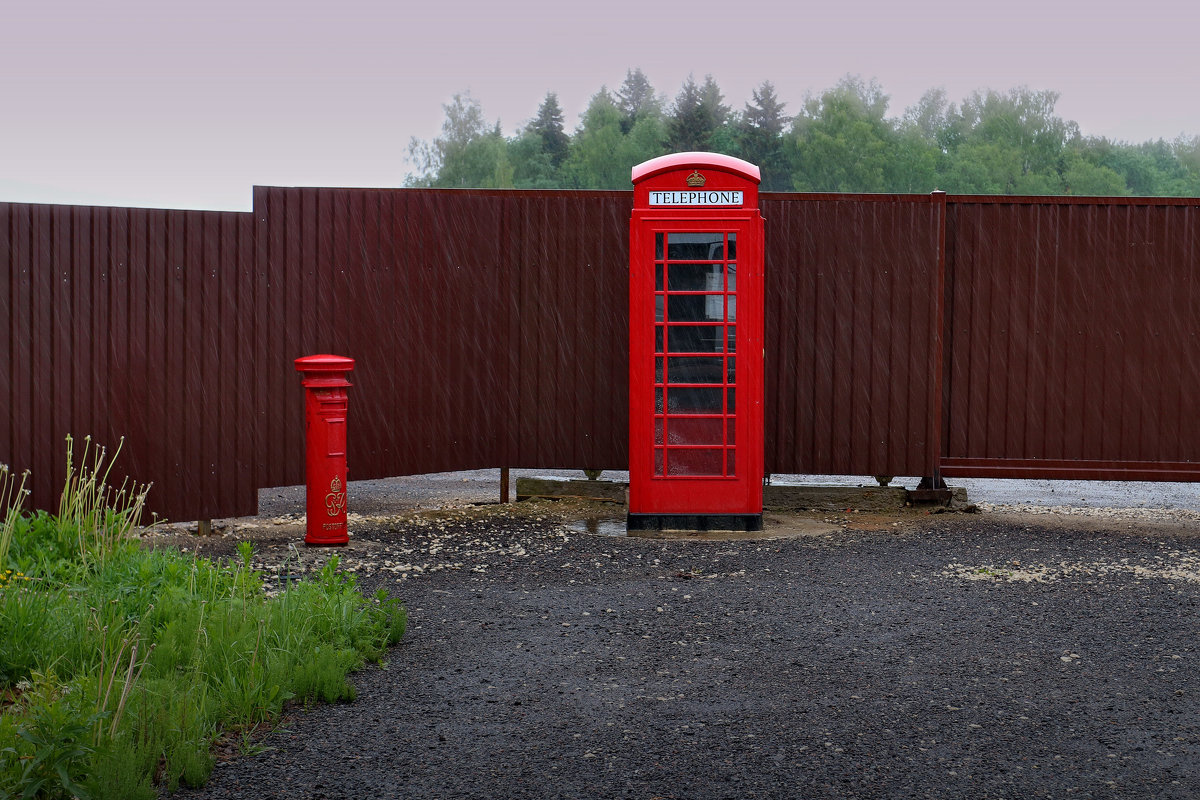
(490, 329)
(130, 323)
(1072, 346)
(852, 334)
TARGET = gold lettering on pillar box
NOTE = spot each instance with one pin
(335, 501)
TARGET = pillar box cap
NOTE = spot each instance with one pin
(325, 370)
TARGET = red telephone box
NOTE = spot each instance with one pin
(695, 345)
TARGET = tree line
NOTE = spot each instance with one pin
(842, 140)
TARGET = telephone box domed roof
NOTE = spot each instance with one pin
(675, 161)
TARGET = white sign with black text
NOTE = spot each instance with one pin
(718, 197)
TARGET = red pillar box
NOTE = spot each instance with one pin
(325, 405)
(695, 345)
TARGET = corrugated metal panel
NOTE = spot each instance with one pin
(489, 327)
(572, 374)
(116, 327)
(1073, 349)
(852, 333)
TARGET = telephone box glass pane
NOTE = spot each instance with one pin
(689, 277)
(730, 408)
(694, 462)
(658, 430)
(658, 401)
(694, 308)
(732, 247)
(695, 430)
(658, 338)
(730, 373)
(658, 370)
(658, 461)
(730, 426)
(658, 245)
(694, 401)
(658, 308)
(694, 369)
(731, 277)
(731, 338)
(658, 277)
(694, 246)
(730, 462)
(732, 308)
(694, 338)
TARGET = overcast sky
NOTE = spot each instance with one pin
(190, 104)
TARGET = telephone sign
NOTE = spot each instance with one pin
(696, 345)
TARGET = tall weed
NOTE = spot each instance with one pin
(12, 497)
(101, 515)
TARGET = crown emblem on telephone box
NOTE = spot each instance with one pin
(695, 179)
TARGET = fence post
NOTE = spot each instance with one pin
(933, 479)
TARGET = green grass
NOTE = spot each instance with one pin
(120, 666)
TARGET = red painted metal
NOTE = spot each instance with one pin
(326, 405)
(673, 162)
(695, 338)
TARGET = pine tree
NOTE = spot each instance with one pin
(760, 133)
(549, 126)
(686, 129)
(716, 113)
(636, 99)
(765, 112)
(697, 115)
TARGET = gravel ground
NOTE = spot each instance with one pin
(988, 655)
(456, 488)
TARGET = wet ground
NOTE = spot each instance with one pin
(848, 655)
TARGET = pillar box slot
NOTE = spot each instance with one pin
(696, 345)
(325, 407)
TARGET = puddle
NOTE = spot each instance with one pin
(599, 526)
(775, 527)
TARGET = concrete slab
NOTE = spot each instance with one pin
(776, 497)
